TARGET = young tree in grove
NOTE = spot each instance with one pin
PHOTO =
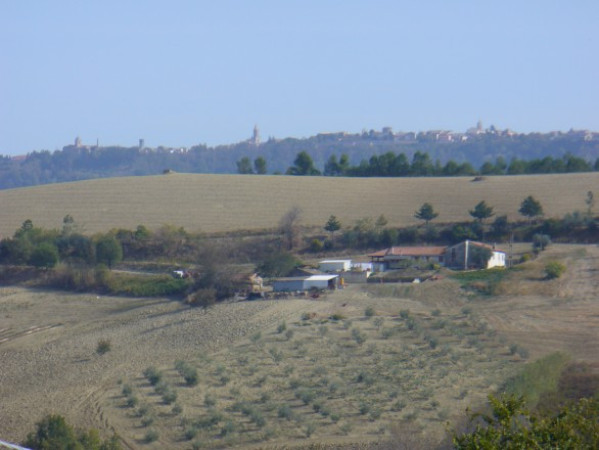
(426, 213)
(530, 207)
(482, 211)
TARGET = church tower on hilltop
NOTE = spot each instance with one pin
(255, 136)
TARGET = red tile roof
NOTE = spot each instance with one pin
(410, 251)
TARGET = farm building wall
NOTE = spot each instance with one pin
(338, 265)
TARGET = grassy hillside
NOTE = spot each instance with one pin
(229, 202)
(362, 364)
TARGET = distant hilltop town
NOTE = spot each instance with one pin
(385, 134)
(476, 146)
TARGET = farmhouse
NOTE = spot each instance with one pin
(473, 255)
(291, 284)
(465, 255)
(397, 257)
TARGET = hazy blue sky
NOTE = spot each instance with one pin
(179, 73)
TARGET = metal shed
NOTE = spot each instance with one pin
(291, 284)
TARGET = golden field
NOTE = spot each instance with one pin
(212, 203)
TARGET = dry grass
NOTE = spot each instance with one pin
(230, 202)
(337, 390)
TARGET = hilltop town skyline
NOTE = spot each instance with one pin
(192, 73)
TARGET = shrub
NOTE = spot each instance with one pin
(170, 396)
(364, 408)
(289, 334)
(152, 375)
(202, 297)
(227, 429)
(316, 245)
(436, 312)
(132, 401)
(369, 312)
(404, 313)
(177, 409)
(282, 327)
(151, 436)
(209, 400)
(191, 432)
(103, 346)
(285, 412)
(127, 390)
(386, 333)
(276, 355)
(554, 269)
(358, 336)
(147, 420)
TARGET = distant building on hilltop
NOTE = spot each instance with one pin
(255, 139)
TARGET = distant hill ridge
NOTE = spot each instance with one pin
(475, 147)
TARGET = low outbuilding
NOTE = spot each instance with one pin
(293, 284)
(335, 265)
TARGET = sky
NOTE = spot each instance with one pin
(181, 73)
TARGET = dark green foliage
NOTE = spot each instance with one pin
(540, 241)
(278, 264)
(260, 165)
(426, 213)
(144, 285)
(511, 426)
(53, 432)
(103, 346)
(536, 378)
(108, 250)
(244, 166)
(481, 211)
(530, 207)
(332, 225)
(153, 375)
(381, 157)
(188, 372)
(554, 269)
(44, 255)
(303, 165)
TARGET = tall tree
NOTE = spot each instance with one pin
(244, 166)
(108, 250)
(289, 226)
(590, 202)
(332, 225)
(530, 207)
(260, 165)
(303, 165)
(482, 211)
(426, 213)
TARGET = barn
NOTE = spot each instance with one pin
(293, 284)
